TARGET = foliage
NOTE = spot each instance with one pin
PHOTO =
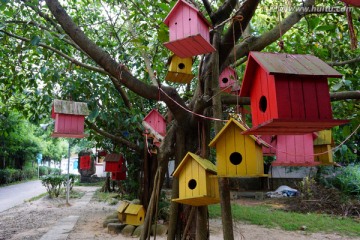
(72, 179)
(9, 175)
(53, 184)
(274, 218)
(45, 170)
(347, 180)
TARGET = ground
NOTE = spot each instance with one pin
(32, 220)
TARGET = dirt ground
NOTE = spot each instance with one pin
(31, 220)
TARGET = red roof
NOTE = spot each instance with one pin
(282, 63)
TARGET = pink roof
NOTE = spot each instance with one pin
(179, 5)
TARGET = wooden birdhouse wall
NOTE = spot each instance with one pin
(238, 155)
(192, 180)
(156, 121)
(323, 138)
(69, 124)
(295, 150)
(325, 156)
(228, 79)
(188, 31)
(180, 70)
(135, 215)
(118, 175)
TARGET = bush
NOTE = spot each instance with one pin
(347, 180)
(73, 178)
(53, 184)
(44, 170)
(9, 175)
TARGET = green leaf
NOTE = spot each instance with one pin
(93, 114)
(326, 28)
(35, 40)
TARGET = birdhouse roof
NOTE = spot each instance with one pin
(70, 107)
(133, 209)
(113, 157)
(281, 63)
(122, 207)
(204, 163)
(226, 127)
(180, 4)
(152, 113)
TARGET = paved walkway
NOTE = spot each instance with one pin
(11, 196)
(64, 226)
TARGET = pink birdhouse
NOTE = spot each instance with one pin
(114, 162)
(69, 118)
(228, 80)
(154, 122)
(289, 94)
(189, 31)
(291, 150)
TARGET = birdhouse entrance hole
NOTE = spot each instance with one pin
(263, 104)
(225, 80)
(181, 65)
(235, 158)
(192, 184)
(140, 219)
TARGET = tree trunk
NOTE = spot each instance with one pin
(173, 231)
(202, 223)
(223, 183)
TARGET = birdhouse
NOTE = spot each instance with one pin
(269, 149)
(294, 150)
(114, 162)
(85, 162)
(131, 214)
(117, 176)
(322, 148)
(237, 155)
(355, 3)
(198, 184)
(228, 80)
(289, 94)
(180, 70)
(69, 118)
(155, 123)
(188, 31)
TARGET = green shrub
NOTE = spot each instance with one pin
(55, 171)
(44, 170)
(53, 184)
(348, 180)
(72, 178)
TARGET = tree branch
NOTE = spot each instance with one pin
(118, 71)
(259, 43)
(207, 7)
(223, 12)
(236, 29)
(118, 139)
(355, 60)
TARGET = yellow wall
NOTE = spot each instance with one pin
(326, 158)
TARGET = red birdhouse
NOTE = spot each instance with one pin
(355, 3)
(291, 150)
(119, 175)
(85, 162)
(189, 31)
(114, 162)
(155, 123)
(228, 80)
(289, 94)
(69, 118)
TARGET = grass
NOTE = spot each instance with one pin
(272, 218)
(36, 197)
(110, 198)
(95, 184)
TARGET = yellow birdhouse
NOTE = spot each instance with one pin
(198, 183)
(131, 214)
(180, 70)
(237, 155)
(322, 144)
